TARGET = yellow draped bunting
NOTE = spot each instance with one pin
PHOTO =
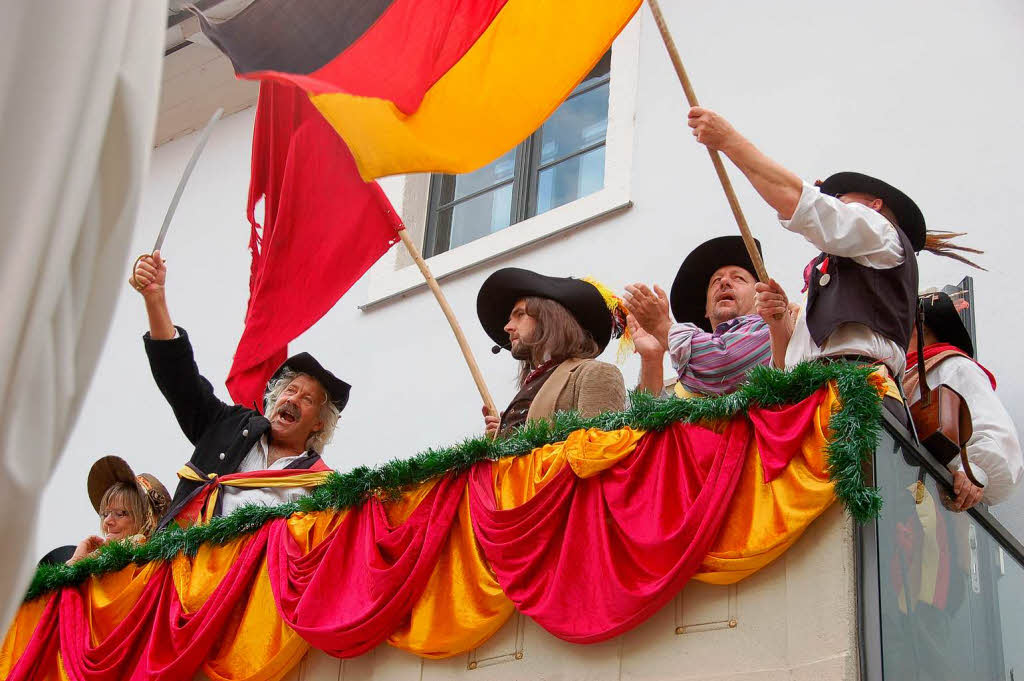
(17, 639)
(764, 520)
(109, 598)
(256, 645)
(588, 452)
(462, 604)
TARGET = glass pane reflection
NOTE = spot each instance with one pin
(477, 217)
(950, 597)
(577, 124)
(570, 179)
(491, 174)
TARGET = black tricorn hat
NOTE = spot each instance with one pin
(902, 206)
(304, 363)
(941, 316)
(690, 289)
(501, 290)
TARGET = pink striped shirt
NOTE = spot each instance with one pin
(716, 363)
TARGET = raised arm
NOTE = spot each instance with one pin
(838, 226)
(170, 356)
(779, 187)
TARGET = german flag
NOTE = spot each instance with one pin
(425, 85)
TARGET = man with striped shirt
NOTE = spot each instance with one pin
(718, 335)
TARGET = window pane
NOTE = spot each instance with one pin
(477, 217)
(949, 596)
(570, 179)
(578, 123)
(491, 174)
(600, 70)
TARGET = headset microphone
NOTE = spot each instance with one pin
(496, 349)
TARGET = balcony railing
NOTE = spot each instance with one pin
(941, 593)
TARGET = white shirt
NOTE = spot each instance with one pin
(256, 460)
(994, 449)
(848, 230)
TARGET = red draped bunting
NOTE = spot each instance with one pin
(612, 524)
(352, 591)
(661, 508)
(156, 638)
(780, 431)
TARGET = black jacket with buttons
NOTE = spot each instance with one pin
(222, 434)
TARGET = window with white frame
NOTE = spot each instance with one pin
(562, 161)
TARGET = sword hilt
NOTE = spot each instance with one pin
(131, 279)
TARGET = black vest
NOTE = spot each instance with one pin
(882, 300)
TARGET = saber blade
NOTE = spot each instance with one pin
(200, 143)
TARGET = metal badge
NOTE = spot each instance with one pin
(825, 278)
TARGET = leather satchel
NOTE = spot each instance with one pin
(941, 417)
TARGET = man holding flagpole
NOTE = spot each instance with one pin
(862, 287)
(241, 457)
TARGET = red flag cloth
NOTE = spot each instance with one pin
(779, 431)
(323, 227)
(616, 546)
(353, 590)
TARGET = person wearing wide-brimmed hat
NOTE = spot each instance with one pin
(862, 287)
(718, 335)
(555, 326)
(994, 448)
(240, 456)
(130, 507)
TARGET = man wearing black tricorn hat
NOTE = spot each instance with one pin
(862, 287)
(236, 447)
(555, 326)
(718, 336)
(993, 450)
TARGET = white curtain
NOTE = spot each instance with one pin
(79, 88)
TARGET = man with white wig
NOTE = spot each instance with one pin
(241, 456)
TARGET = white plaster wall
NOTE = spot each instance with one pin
(926, 95)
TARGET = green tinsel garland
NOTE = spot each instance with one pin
(855, 426)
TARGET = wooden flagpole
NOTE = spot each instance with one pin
(474, 369)
(716, 158)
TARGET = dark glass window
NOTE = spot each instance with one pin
(560, 162)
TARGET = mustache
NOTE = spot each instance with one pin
(289, 409)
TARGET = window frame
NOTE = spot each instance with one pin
(525, 179)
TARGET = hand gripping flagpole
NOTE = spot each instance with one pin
(474, 368)
(716, 158)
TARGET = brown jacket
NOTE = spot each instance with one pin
(584, 385)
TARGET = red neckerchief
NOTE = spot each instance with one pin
(540, 370)
(936, 348)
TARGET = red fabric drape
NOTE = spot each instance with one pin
(354, 589)
(157, 639)
(779, 431)
(42, 647)
(590, 558)
(323, 227)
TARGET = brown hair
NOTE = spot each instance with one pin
(559, 336)
(128, 495)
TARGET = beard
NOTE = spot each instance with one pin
(521, 352)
